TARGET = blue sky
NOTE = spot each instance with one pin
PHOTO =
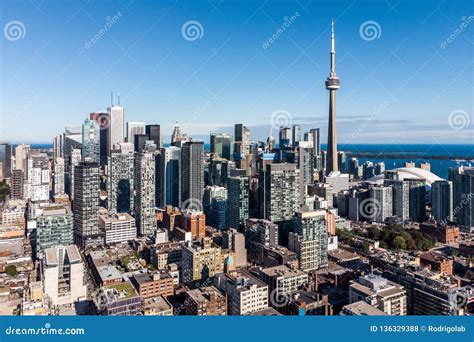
(411, 83)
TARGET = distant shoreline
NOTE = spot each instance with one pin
(414, 155)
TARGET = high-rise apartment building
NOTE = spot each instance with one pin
(463, 191)
(238, 200)
(91, 141)
(116, 125)
(54, 227)
(154, 134)
(442, 201)
(86, 205)
(221, 145)
(192, 171)
(120, 182)
(279, 192)
(145, 192)
(310, 239)
(170, 177)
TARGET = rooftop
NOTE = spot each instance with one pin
(363, 309)
(282, 271)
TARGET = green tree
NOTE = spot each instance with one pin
(399, 242)
(11, 270)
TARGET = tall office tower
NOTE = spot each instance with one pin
(72, 139)
(368, 170)
(417, 199)
(341, 160)
(154, 133)
(238, 200)
(463, 190)
(6, 159)
(379, 168)
(120, 178)
(86, 205)
(211, 192)
(103, 120)
(38, 182)
(134, 128)
(316, 139)
(279, 192)
(295, 134)
(178, 137)
(218, 213)
(116, 125)
(170, 177)
(258, 235)
(310, 239)
(354, 167)
(17, 184)
(74, 159)
(332, 84)
(192, 171)
(221, 145)
(219, 170)
(284, 137)
(442, 201)
(145, 192)
(382, 204)
(21, 157)
(59, 172)
(58, 147)
(140, 142)
(63, 274)
(90, 141)
(53, 228)
(401, 200)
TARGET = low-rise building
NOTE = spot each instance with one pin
(361, 308)
(119, 299)
(206, 301)
(201, 260)
(283, 280)
(117, 227)
(245, 293)
(158, 283)
(157, 306)
(437, 262)
(380, 293)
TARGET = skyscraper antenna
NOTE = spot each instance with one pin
(118, 99)
(111, 98)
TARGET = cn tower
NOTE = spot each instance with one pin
(332, 84)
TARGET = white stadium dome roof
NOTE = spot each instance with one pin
(409, 172)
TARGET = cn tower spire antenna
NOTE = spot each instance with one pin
(333, 50)
(332, 84)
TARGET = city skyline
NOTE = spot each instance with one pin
(226, 72)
